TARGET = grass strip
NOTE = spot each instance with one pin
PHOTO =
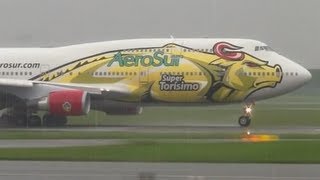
(266, 152)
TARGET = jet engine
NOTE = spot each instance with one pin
(66, 103)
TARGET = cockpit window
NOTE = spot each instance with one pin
(263, 48)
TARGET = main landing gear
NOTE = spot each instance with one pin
(33, 120)
(245, 119)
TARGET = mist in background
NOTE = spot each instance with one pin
(291, 27)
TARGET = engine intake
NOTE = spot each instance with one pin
(66, 103)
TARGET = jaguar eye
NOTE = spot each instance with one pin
(251, 64)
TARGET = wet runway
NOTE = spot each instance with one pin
(51, 143)
(34, 170)
(227, 128)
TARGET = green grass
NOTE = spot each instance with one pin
(268, 152)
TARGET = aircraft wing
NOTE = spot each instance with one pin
(106, 90)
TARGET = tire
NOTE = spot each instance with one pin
(61, 120)
(34, 120)
(244, 121)
(54, 121)
(20, 121)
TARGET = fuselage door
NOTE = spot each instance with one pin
(44, 68)
(143, 75)
(144, 65)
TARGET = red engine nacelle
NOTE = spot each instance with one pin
(67, 103)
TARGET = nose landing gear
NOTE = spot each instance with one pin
(245, 120)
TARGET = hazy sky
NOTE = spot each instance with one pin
(291, 27)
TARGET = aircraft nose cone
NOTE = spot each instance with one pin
(306, 75)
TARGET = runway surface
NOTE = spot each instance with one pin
(227, 128)
(33, 170)
(38, 143)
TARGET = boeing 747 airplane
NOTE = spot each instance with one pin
(120, 77)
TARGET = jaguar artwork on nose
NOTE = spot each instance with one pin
(242, 73)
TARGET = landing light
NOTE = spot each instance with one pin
(248, 110)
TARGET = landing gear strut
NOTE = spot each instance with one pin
(245, 120)
(53, 120)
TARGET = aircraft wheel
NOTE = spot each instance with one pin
(61, 120)
(34, 120)
(6, 119)
(244, 121)
(20, 120)
(52, 120)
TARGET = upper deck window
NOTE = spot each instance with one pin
(263, 48)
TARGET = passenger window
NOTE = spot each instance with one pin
(296, 74)
(254, 73)
(187, 73)
(268, 74)
(100, 73)
(30, 73)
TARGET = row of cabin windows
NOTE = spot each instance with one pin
(194, 73)
(167, 50)
(114, 73)
(143, 73)
(268, 73)
(3, 73)
(170, 73)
